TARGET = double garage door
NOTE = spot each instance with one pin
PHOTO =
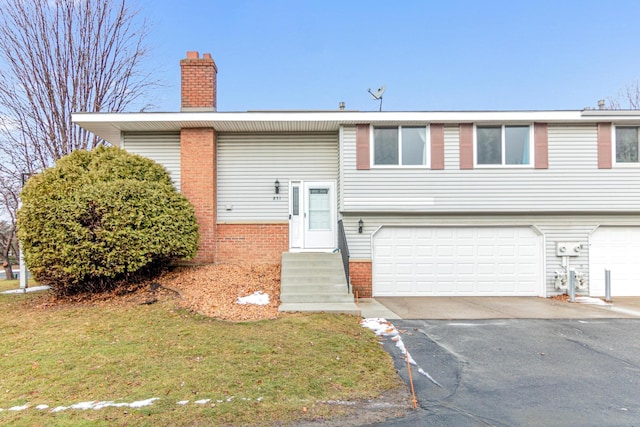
(616, 249)
(457, 261)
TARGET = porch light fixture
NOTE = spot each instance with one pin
(277, 186)
(360, 225)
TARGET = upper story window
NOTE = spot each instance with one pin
(627, 144)
(503, 145)
(400, 146)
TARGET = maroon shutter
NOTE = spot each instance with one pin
(604, 145)
(466, 145)
(541, 145)
(437, 146)
(362, 147)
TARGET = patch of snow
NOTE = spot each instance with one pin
(380, 326)
(257, 298)
(104, 404)
(110, 403)
(590, 300)
(141, 403)
(403, 349)
(22, 291)
(107, 404)
(426, 374)
(84, 405)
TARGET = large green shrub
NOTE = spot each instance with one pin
(100, 218)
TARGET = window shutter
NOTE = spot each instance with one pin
(466, 145)
(362, 147)
(437, 146)
(604, 145)
(541, 145)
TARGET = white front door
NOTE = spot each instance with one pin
(296, 216)
(312, 215)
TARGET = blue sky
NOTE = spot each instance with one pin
(431, 55)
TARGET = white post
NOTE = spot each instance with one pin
(24, 283)
(572, 286)
(23, 271)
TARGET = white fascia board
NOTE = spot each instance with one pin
(345, 117)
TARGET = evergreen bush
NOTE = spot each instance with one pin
(102, 218)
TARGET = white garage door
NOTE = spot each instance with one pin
(457, 261)
(616, 249)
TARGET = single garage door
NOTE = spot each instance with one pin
(616, 249)
(457, 261)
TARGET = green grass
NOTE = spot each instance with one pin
(269, 370)
(6, 285)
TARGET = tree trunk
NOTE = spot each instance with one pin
(8, 270)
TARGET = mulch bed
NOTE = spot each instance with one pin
(211, 290)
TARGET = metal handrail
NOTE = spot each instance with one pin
(344, 251)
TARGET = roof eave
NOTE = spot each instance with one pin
(109, 126)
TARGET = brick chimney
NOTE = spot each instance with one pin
(198, 82)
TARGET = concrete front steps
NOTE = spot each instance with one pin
(315, 282)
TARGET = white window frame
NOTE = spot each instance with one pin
(614, 147)
(503, 165)
(427, 143)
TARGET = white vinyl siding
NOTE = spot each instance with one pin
(554, 228)
(249, 164)
(164, 148)
(572, 182)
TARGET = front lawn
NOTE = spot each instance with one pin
(200, 370)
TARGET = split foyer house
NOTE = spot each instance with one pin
(473, 203)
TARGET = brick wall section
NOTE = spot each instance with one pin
(198, 86)
(198, 184)
(251, 243)
(360, 276)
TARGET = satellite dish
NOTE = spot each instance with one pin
(377, 94)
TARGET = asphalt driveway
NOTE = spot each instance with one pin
(522, 372)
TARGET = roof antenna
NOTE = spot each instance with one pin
(377, 94)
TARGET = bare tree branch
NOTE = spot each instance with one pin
(59, 57)
(628, 98)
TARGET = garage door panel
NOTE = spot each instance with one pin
(465, 250)
(404, 250)
(618, 250)
(453, 261)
